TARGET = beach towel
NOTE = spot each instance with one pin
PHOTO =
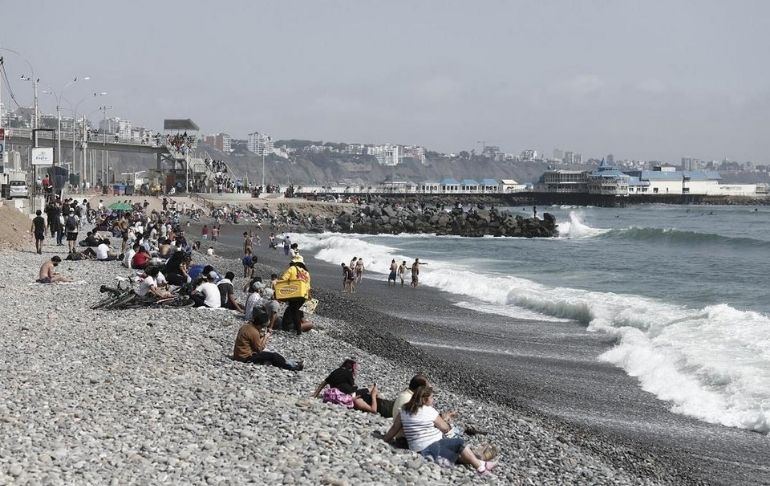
(335, 396)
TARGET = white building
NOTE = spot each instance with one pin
(510, 185)
(260, 143)
(387, 154)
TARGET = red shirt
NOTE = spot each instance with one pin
(140, 259)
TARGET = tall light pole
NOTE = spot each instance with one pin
(58, 97)
(74, 121)
(104, 138)
(35, 83)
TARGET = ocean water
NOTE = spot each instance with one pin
(682, 289)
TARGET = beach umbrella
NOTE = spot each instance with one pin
(121, 206)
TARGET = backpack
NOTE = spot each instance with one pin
(72, 224)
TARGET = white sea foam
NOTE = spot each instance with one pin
(712, 363)
(575, 228)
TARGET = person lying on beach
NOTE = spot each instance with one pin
(343, 390)
(424, 429)
(48, 272)
(251, 341)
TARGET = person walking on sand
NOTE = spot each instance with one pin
(38, 230)
(359, 270)
(205, 232)
(247, 242)
(392, 274)
(348, 279)
(416, 272)
(48, 272)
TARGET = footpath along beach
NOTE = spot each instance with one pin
(151, 396)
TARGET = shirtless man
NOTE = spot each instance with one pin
(48, 271)
(401, 272)
(416, 271)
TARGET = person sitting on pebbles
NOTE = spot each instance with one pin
(251, 341)
(48, 272)
(343, 391)
(424, 429)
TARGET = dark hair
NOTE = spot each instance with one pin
(153, 271)
(56, 259)
(418, 399)
(207, 269)
(349, 364)
(229, 275)
(417, 381)
(38, 212)
(273, 275)
(259, 316)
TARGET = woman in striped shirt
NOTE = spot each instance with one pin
(424, 429)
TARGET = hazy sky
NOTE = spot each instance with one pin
(644, 80)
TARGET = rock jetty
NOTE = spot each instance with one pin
(413, 218)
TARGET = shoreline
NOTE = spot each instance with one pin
(147, 393)
(382, 334)
(697, 452)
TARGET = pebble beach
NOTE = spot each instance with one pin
(151, 396)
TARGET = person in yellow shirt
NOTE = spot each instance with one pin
(292, 317)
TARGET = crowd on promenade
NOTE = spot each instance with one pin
(164, 262)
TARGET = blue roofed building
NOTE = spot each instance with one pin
(489, 186)
(469, 186)
(449, 186)
(609, 180)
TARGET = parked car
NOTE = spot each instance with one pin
(18, 189)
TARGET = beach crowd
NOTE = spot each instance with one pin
(165, 264)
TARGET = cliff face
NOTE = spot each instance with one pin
(322, 169)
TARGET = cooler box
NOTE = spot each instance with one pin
(289, 289)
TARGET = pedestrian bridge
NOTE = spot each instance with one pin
(169, 159)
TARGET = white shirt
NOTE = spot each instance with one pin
(419, 429)
(254, 300)
(129, 256)
(211, 294)
(102, 251)
(145, 286)
(161, 279)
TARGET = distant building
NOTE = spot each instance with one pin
(413, 152)
(260, 143)
(690, 163)
(558, 154)
(385, 154)
(563, 181)
(572, 158)
(528, 155)
(608, 179)
(510, 185)
(221, 141)
(610, 159)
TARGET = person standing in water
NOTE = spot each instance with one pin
(359, 270)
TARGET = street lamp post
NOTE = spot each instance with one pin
(104, 138)
(58, 96)
(74, 130)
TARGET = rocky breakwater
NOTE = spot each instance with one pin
(413, 218)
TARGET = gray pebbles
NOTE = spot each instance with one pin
(151, 397)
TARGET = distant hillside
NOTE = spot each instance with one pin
(324, 168)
